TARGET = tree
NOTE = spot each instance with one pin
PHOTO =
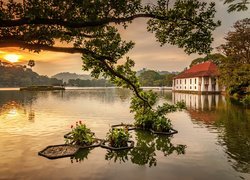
(93, 32)
(237, 5)
(236, 67)
(216, 58)
(31, 63)
(148, 78)
(153, 78)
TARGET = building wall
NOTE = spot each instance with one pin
(187, 84)
(196, 84)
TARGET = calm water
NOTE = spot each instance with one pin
(213, 140)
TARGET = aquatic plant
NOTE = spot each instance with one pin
(80, 135)
(118, 137)
(148, 117)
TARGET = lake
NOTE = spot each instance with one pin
(213, 140)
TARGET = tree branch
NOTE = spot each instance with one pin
(73, 24)
(38, 47)
(112, 71)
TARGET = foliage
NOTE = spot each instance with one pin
(31, 63)
(89, 83)
(237, 5)
(17, 76)
(93, 32)
(80, 135)
(66, 76)
(246, 100)
(216, 58)
(146, 117)
(237, 42)
(153, 78)
(162, 124)
(118, 137)
(234, 70)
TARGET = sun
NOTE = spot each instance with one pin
(12, 58)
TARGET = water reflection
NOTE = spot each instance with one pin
(199, 102)
(215, 131)
(12, 111)
(231, 121)
(146, 146)
(80, 156)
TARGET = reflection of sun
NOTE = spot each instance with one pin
(12, 113)
(12, 58)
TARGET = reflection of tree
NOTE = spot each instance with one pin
(234, 125)
(81, 155)
(19, 97)
(144, 151)
(120, 156)
(164, 144)
(31, 115)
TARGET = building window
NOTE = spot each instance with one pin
(195, 81)
(190, 87)
(185, 86)
(190, 81)
(185, 82)
(180, 81)
(194, 87)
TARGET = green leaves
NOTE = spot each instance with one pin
(188, 24)
(234, 70)
(118, 137)
(237, 5)
(147, 117)
(81, 135)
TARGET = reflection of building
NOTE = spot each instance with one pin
(201, 78)
(198, 101)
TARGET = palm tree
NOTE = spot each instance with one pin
(31, 63)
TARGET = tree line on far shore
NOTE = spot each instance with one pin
(19, 76)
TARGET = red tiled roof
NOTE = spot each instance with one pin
(200, 70)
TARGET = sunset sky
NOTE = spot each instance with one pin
(147, 52)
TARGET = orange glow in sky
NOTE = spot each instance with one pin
(12, 58)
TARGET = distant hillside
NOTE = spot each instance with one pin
(66, 76)
(138, 73)
(19, 76)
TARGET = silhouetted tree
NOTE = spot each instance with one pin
(31, 63)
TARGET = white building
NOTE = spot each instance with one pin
(200, 78)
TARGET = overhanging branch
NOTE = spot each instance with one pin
(73, 24)
(134, 88)
(40, 47)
